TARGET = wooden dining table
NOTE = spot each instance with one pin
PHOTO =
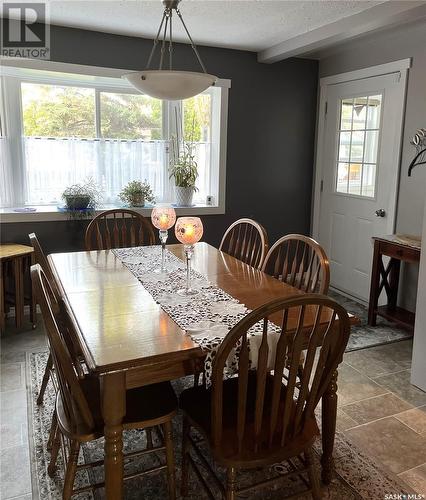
(128, 341)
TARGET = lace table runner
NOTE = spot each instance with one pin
(207, 317)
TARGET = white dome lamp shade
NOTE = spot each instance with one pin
(170, 84)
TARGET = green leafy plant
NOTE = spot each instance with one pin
(86, 194)
(81, 199)
(136, 193)
(183, 167)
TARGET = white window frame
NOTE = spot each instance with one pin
(22, 69)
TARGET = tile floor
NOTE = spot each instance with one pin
(15, 479)
(378, 409)
(381, 412)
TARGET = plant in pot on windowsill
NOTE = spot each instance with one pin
(183, 168)
(136, 193)
(81, 199)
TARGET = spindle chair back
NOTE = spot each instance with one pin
(118, 228)
(281, 410)
(246, 240)
(299, 261)
(41, 259)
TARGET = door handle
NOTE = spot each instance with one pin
(380, 212)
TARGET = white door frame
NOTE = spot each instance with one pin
(400, 66)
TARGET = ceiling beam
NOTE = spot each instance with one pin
(387, 14)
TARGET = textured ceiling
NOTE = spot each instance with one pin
(249, 24)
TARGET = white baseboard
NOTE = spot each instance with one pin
(349, 296)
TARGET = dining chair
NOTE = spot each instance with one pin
(58, 309)
(265, 415)
(118, 228)
(40, 258)
(300, 262)
(246, 240)
(78, 406)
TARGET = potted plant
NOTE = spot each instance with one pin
(183, 167)
(82, 198)
(136, 193)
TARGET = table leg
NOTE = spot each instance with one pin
(329, 415)
(33, 303)
(374, 286)
(393, 283)
(113, 388)
(2, 301)
(19, 291)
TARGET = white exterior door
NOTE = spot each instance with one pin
(359, 172)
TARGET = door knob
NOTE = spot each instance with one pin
(380, 212)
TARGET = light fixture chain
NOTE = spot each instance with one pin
(163, 45)
(148, 64)
(194, 47)
(162, 81)
(171, 42)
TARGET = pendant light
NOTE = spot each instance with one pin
(170, 84)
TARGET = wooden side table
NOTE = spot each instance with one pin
(388, 279)
(15, 262)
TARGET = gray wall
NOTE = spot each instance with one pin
(391, 45)
(271, 124)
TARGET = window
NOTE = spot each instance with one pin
(6, 184)
(197, 120)
(358, 145)
(63, 128)
(130, 116)
(57, 111)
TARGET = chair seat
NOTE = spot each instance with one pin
(196, 403)
(145, 407)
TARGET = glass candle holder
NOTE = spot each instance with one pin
(163, 218)
(189, 231)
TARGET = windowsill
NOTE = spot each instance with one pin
(46, 213)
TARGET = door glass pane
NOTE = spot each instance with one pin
(342, 178)
(344, 146)
(354, 186)
(373, 113)
(357, 146)
(356, 162)
(371, 143)
(360, 113)
(346, 114)
(368, 180)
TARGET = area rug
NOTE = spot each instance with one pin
(357, 476)
(363, 335)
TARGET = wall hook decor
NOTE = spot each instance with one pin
(419, 142)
